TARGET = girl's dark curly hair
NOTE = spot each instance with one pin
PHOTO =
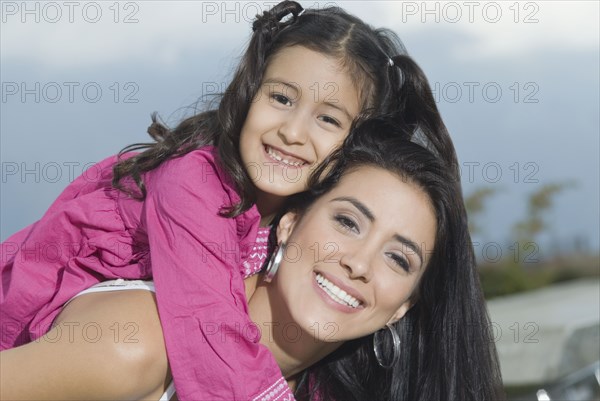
(388, 81)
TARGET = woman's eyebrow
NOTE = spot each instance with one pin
(357, 204)
(369, 215)
(411, 245)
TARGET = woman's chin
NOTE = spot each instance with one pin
(318, 326)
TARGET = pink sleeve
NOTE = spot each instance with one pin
(212, 345)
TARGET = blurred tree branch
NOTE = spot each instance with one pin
(475, 204)
(538, 205)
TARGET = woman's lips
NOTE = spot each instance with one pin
(334, 301)
(348, 289)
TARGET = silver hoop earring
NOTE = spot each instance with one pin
(274, 263)
(377, 339)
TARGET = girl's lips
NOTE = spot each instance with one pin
(287, 158)
(349, 290)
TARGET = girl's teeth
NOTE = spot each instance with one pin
(277, 157)
(336, 293)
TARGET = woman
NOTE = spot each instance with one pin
(375, 296)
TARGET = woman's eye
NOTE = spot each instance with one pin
(399, 261)
(281, 99)
(346, 223)
(331, 120)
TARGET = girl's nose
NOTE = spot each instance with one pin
(294, 130)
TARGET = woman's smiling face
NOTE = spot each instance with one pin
(355, 257)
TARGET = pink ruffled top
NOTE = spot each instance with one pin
(197, 259)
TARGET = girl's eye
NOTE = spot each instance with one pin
(281, 99)
(346, 223)
(399, 260)
(331, 120)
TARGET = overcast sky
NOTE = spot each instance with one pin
(517, 84)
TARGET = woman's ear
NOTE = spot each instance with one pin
(401, 311)
(286, 226)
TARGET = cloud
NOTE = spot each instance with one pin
(91, 34)
(109, 33)
(176, 47)
(498, 29)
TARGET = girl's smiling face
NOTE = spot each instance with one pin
(301, 113)
(355, 257)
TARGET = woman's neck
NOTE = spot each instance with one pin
(293, 349)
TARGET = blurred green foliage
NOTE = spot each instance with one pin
(510, 274)
(508, 277)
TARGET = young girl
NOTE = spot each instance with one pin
(187, 210)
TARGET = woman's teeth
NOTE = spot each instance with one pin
(336, 293)
(280, 158)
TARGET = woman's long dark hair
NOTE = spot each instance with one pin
(388, 80)
(447, 353)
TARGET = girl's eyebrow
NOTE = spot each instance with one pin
(279, 81)
(334, 103)
(339, 107)
(412, 245)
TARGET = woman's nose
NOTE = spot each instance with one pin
(358, 261)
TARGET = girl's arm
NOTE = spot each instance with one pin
(213, 346)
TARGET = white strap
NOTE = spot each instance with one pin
(169, 393)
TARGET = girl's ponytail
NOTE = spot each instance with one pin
(271, 22)
(415, 100)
